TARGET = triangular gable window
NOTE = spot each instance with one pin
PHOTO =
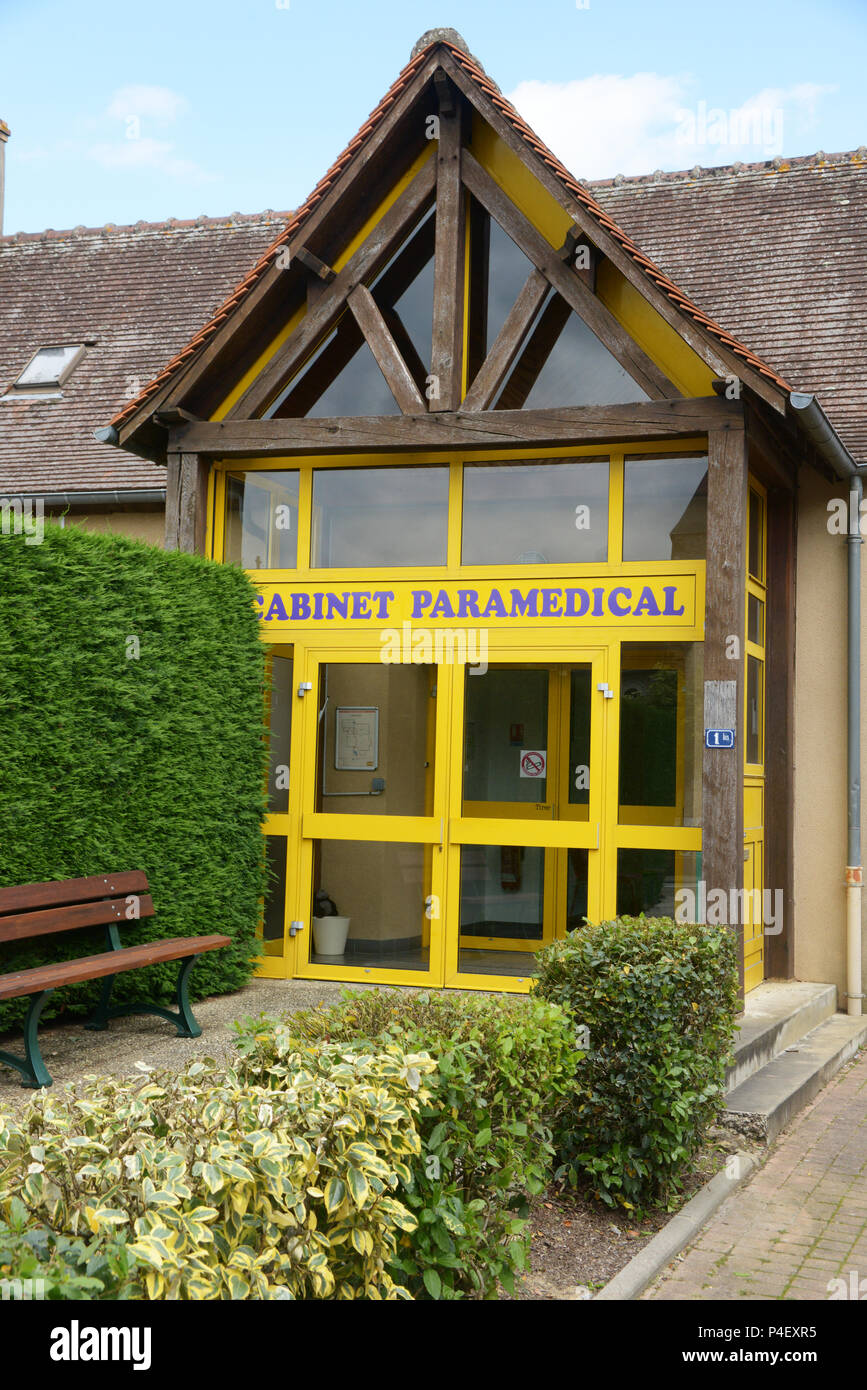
(498, 271)
(563, 363)
(343, 377)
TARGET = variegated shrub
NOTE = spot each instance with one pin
(223, 1190)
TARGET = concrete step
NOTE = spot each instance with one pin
(776, 1015)
(767, 1100)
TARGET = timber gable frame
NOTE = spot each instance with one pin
(296, 278)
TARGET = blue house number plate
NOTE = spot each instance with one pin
(719, 738)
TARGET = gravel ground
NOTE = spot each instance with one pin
(70, 1050)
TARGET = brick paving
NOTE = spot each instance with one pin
(800, 1221)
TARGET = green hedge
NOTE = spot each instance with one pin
(112, 761)
(658, 1002)
(504, 1072)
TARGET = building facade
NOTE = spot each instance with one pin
(545, 566)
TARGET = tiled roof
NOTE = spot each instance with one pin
(578, 191)
(778, 253)
(141, 291)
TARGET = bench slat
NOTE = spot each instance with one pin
(55, 919)
(71, 972)
(71, 890)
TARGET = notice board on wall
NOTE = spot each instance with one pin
(356, 738)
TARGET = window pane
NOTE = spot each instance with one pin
(502, 905)
(261, 529)
(274, 919)
(404, 293)
(506, 712)
(280, 728)
(380, 517)
(498, 272)
(563, 363)
(535, 513)
(755, 620)
(376, 754)
(665, 509)
(755, 710)
(661, 734)
(756, 530)
(648, 879)
(381, 893)
(341, 378)
(48, 366)
(579, 735)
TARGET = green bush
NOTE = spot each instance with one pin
(36, 1262)
(131, 684)
(204, 1186)
(658, 1000)
(504, 1068)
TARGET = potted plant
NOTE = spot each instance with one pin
(330, 930)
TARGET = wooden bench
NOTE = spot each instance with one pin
(109, 901)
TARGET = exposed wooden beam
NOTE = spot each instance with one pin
(186, 502)
(369, 257)
(723, 768)
(389, 360)
(481, 430)
(173, 416)
(448, 302)
(351, 183)
(573, 289)
(507, 343)
(313, 264)
(718, 357)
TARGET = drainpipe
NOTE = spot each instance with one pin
(814, 422)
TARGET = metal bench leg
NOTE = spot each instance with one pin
(182, 1017)
(31, 1065)
(98, 1021)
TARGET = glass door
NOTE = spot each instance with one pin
(373, 788)
(525, 808)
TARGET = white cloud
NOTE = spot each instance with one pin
(158, 104)
(146, 153)
(611, 124)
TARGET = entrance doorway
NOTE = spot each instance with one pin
(450, 814)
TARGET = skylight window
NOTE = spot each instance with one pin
(50, 366)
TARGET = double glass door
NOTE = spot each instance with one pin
(448, 815)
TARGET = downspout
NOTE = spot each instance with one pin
(815, 425)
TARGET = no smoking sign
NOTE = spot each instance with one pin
(534, 763)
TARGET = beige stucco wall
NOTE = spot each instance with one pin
(820, 739)
(141, 525)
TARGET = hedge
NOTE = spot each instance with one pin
(656, 1004)
(504, 1073)
(131, 690)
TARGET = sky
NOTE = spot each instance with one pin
(122, 111)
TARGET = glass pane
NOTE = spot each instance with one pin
(498, 272)
(576, 888)
(261, 530)
(506, 714)
(274, 918)
(535, 513)
(755, 712)
(375, 517)
(404, 293)
(661, 734)
(755, 620)
(562, 362)
(370, 905)
(341, 378)
(502, 904)
(579, 736)
(648, 879)
(280, 722)
(665, 509)
(756, 531)
(376, 745)
(48, 366)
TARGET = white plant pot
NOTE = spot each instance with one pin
(329, 935)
